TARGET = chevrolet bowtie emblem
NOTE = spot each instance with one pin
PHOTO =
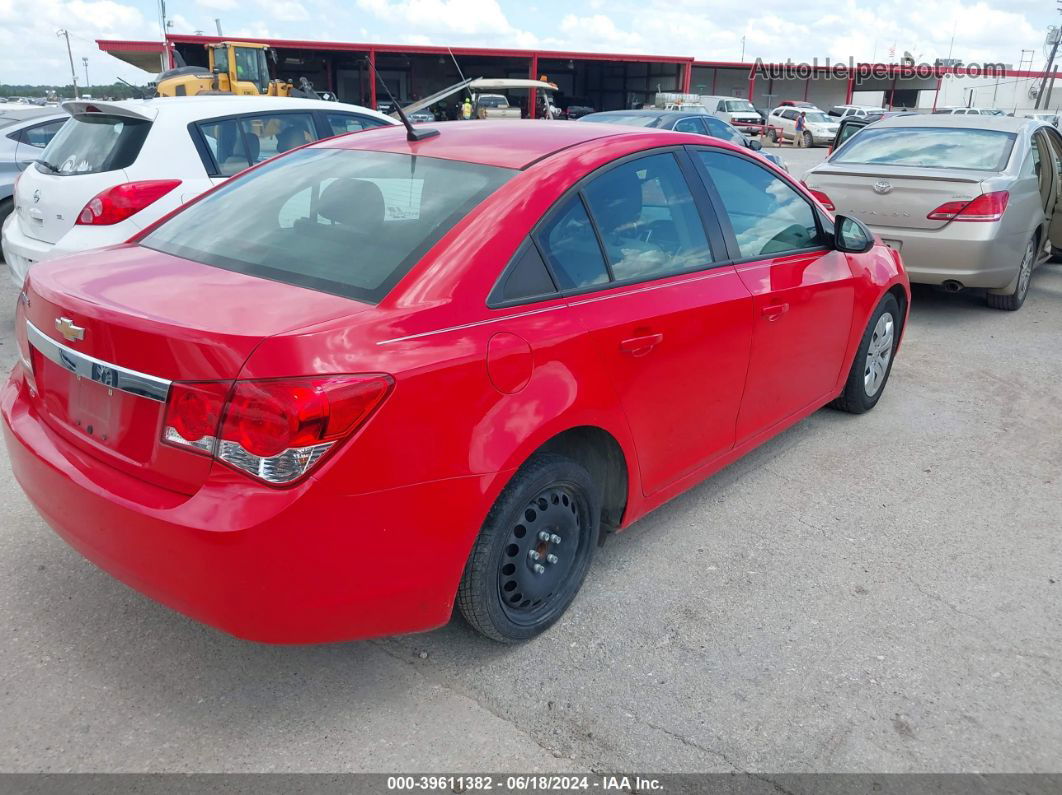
(66, 327)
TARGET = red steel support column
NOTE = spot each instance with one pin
(687, 77)
(532, 94)
(752, 85)
(850, 90)
(715, 76)
(807, 85)
(372, 79)
(892, 91)
(936, 94)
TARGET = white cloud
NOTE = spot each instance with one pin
(284, 10)
(441, 19)
(218, 5)
(31, 53)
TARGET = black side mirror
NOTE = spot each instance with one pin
(753, 144)
(851, 235)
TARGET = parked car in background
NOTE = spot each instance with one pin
(858, 111)
(1050, 118)
(957, 111)
(116, 167)
(969, 202)
(23, 136)
(697, 122)
(576, 107)
(421, 116)
(821, 129)
(737, 111)
(797, 103)
(850, 125)
(250, 468)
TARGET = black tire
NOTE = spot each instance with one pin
(549, 494)
(1056, 254)
(1013, 301)
(855, 398)
(808, 140)
(772, 136)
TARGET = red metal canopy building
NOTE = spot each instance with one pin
(606, 81)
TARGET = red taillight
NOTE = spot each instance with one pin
(822, 199)
(193, 414)
(118, 203)
(986, 207)
(275, 430)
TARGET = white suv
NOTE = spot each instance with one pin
(116, 167)
(820, 129)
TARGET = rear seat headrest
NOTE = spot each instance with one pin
(352, 201)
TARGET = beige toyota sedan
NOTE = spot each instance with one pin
(969, 201)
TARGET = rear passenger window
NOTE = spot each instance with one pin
(342, 123)
(689, 125)
(767, 215)
(647, 218)
(527, 277)
(226, 145)
(569, 243)
(277, 133)
(41, 135)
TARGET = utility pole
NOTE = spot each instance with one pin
(1044, 94)
(73, 75)
(742, 49)
(84, 61)
(217, 23)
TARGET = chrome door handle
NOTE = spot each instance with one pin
(640, 346)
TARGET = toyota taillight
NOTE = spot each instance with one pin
(275, 430)
(822, 199)
(121, 201)
(986, 207)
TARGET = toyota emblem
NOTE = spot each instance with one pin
(36, 195)
(882, 186)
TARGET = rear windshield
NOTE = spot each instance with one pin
(346, 222)
(929, 147)
(94, 142)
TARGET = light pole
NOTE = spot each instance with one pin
(73, 75)
(84, 61)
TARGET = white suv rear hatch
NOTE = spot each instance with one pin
(88, 155)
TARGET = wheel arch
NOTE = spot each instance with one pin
(601, 454)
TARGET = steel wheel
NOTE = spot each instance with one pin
(879, 354)
(543, 548)
(1025, 271)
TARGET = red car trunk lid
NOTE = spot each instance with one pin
(104, 320)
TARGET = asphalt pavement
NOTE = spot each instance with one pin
(874, 593)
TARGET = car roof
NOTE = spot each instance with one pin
(1002, 123)
(9, 120)
(208, 106)
(503, 143)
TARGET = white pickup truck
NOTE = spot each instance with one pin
(494, 106)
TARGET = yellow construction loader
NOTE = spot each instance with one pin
(235, 67)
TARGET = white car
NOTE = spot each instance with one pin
(821, 129)
(858, 111)
(116, 167)
(970, 111)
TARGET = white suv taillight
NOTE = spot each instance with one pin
(121, 201)
(276, 430)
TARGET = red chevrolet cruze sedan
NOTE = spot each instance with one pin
(377, 376)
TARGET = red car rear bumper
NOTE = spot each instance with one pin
(273, 565)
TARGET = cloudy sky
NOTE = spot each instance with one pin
(997, 30)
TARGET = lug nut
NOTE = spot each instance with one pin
(551, 558)
(555, 539)
(539, 568)
(533, 554)
(543, 535)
